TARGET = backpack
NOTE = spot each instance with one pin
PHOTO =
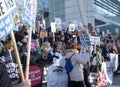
(68, 64)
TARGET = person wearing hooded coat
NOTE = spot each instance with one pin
(76, 75)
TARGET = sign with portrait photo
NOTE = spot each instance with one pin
(84, 37)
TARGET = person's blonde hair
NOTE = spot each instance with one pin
(73, 46)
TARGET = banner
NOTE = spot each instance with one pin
(12, 68)
(6, 21)
(29, 12)
(84, 37)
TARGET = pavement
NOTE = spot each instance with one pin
(116, 81)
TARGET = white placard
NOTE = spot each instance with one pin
(58, 21)
(53, 27)
(72, 27)
(95, 40)
(114, 60)
(117, 30)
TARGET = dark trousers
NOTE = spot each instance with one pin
(118, 62)
(86, 80)
(76, 84)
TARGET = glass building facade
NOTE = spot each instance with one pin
(51, 9)
(68, 11)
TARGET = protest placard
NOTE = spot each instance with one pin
(84, 37)
(71, 27)
(58, 23)
(29, 12)
(53, 27)
(43, 24)
(95, 40)
(6, 21)
(7, 26)
(114, 60)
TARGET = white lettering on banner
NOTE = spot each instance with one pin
(9, 65)
(8, 29)
(2, 33)
(2, 24)
(9, 3)
(7, 21)
(2, 9)
(2, 58)
(34, 79)
(11, 70)
(12, 75)
(32, 76)
(6, 6)
(28, 5)
(26, 13)
(34, 72)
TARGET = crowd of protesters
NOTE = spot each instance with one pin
(52, 49)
